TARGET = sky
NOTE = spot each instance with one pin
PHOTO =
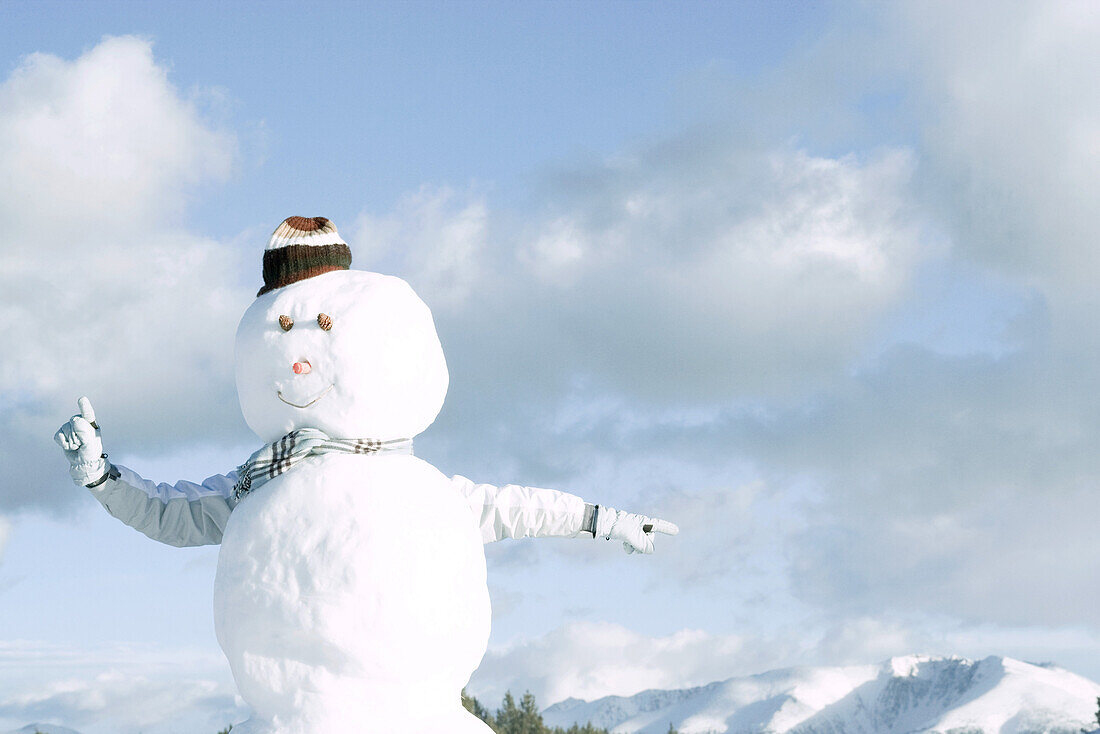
(815, 281)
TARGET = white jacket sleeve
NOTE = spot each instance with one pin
(513, 511)
(180, 514)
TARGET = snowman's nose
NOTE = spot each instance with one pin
(301, 368)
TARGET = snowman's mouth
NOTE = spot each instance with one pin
(311, 402)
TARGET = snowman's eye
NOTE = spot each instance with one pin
(324, 321)
(286, 322)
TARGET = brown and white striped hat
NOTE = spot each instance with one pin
(300, 248)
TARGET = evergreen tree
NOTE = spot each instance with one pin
(507, 717)
(530, 718)
(575, 729)
(524, 718)
(672, 729)
(471, 704)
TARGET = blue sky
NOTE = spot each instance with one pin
(813, 281)
(392, 96)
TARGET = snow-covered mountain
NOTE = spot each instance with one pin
(905, 695)
(44, 729)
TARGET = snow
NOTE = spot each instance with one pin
(351, 593)
(908, 694)
(44, 729)
(382, 359)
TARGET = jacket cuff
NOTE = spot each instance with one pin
(588, 525)
(110, 473)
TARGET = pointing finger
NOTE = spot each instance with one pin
(662, 526)
(86, 411)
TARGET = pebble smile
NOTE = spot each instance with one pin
(311, 402)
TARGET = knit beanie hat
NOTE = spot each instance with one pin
(300, 248)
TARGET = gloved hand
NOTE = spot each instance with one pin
(636, 531)
(79, 439)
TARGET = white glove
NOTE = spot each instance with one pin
(79, 439)
(636, 531)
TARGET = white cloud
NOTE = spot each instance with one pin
(104, 142)
(705, 271)
(128, 704)
(121, 688)
(963, 485)
(589, 660)
(436, 234)
(1013, 130)
(695, 269)
(103, 292)
(558, 251)
(864, 639)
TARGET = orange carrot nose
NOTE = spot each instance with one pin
(301, 368)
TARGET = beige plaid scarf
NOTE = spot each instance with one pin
(276, 458)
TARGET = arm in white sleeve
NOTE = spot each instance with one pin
(513, 511)
(180, 514)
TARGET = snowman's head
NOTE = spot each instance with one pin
(352, 353)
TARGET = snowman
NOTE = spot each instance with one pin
(350, 595)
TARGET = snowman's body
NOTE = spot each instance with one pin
(336, 616)
(350, 594)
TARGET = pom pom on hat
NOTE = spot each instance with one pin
(300, 248)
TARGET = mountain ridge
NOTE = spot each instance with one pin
(913, 694)
(44, 729)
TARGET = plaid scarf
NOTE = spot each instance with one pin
(276, 458)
